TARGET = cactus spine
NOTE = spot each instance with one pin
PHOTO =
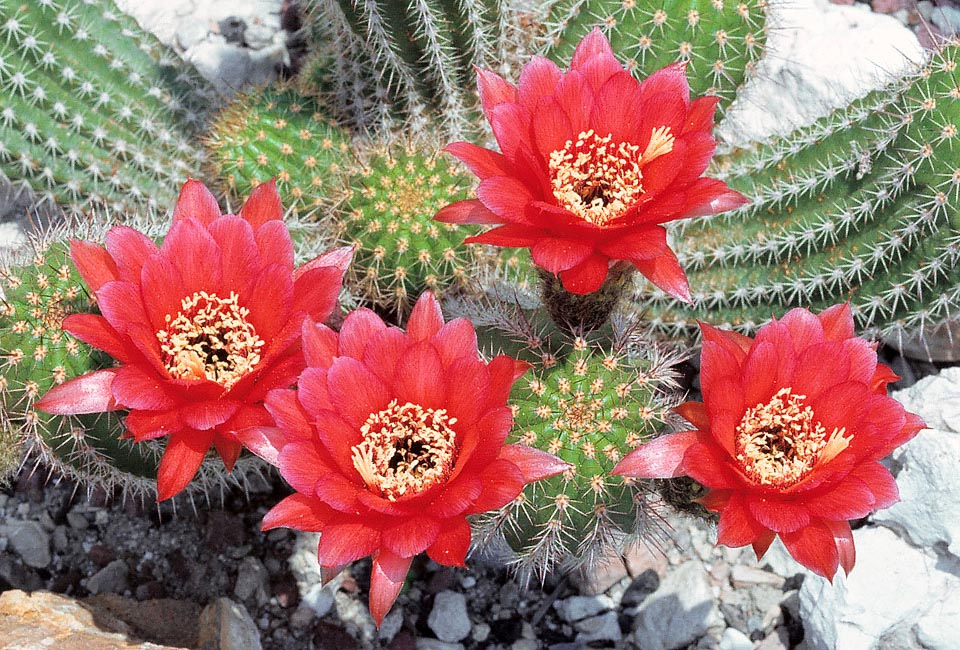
(91, 107)
(861, 206)
(39, 288)
(720, 40)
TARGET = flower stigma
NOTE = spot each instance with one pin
(406, 449)
(599, 179)
(210, 339)
(780, 442)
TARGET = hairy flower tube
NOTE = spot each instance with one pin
(200, 327)
(591, 163)
(392, 439)
(789, 436)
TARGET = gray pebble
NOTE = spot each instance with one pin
(77, 521)
(30, 541)
(605, 627)
(734, 639)
(253, 581)
(576, 608)
(391, 625)
(448, 619)
(525, 644)
(436, 644)
(111, 579)
(60, 541)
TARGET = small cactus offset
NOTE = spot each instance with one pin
(40, 287)
(719, 40)
(861, 207)
(271, 132)
(589, 400)
(376, 57)
(92, 108)
(385, 213)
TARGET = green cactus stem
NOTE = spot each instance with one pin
(274, 132)
(720, 40)
(93, 111)
(860, 207)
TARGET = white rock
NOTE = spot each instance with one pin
(820, 55)
(449, 619)
(227, 66)
(936, 399)
(30, 541)
(190, 32)
(11, 235)
(938, 628)
(893, 587)
(605, 627)
(734, 639)
(679, 612)
(319, 599)
(575, 608)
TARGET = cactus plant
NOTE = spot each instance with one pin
(92, 107)
(720, 40)
(861, 206)
(274, 132)
(588, 399)
(415, 56)
(39, 288)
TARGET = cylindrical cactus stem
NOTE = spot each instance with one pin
(587, 312)
(88, 114)
(40, 287)
(860, 206)
(721, 40)
(590, 401)
(271, 132)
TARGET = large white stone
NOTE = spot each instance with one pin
(820, 55)
(894, 587)
(679, 612)
(936, 399)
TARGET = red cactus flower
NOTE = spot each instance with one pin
(788, 437)
(202, 327)
(592, 163)
(392, 439)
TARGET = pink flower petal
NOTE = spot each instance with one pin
(262, 205)
(426, 318)
(662, 457)
(593, 44)
(94, 264)
(320, 344)
(511, 125)
(469, 211)
(455, 340)
(274, 243)
(181, 460)
(121, 304)
(358, 328)
(494, 91)
(386, 578)
(89, 393)
(534, 464)
(196, 202)
(338, 258)
(313, 393)
(129, 250)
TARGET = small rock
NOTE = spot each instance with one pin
(436, 644)
(642, 586)
(301, 618)
(742, 576)
(232, 29)
(111, 579)
(449, 619)
(734, 639)
(679, 612)
(101, 555)
(480, 632)
(258, 36)
(253, 582)
(327, 636)
(605, 627)
(226, 625)
(77, 521)
(576, 608)
(30, 541)
(391, 625)
(191, 31)
(319, 599)
(946, 18)
(779, 639)
(224, 530)
(61, 542)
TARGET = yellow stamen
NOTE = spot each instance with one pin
(780, 442)
(405, 450)
(211, 339)
(599, 179)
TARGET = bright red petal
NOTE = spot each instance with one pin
(135, 389)
(196, 202)
(94, 264)
(665, 272)
(129, 249)
(342, 543)
(299, 512)
(778, 515)
(411, 536)
(709, 196)
(815, 547)
(837, 322)
(505, 196)
(426, 318)
(843, 536)
(263, 204)
(96, 331)
(301, 466)
(533, 464)
(737, 527)
(469, 211)
(338, 258)
(482, 162)
(181, 460)
(89, 393)
(586, 277)
(386, 578)
(452, 545)
(228, 449)
(317, 292)
(700, 114)
(695, 413)
(502, 482)
(319, 344)
(557, 255)
(662, 457)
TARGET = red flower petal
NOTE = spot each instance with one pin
(161, 290)
(694, 413)
(384, 353)
(837, 322)
(506, 197)
(338, 438)
(621, 90)
(804, 327)
(662, 457)
(557, 255)
(411, 536)
(504, 371)
(129, 250)
(262, 205)
(533, 464)
(711, 465)
(358, 328)
(510, 235)
(196, 202)
(121, 305)
(298, 512)
(538, 79)
(313, 393)
(880, 483)
(208, 414)
(337, 492)
(469, 211)
(814, 547)
(317, 292)
(419, 377)
(778, 515)
(511, 128)
(502, 482)
(709, 196)
(96, 331)
(760, 374)
(665, 272)
(700, 114)
(94, 264)
(338, 258)
(386, 578)
(181, 460)
(148, 425)
(426, 318)
(454, 499)
(135, 389)
(737, 527)
(319, 342)
(270, 300)
(274, 243)
(89, 393)
(843, 537)
(586, 277)
(494, 91)
(234, 238)
(642, 243)
(228, 449)
(195, 255)
(762, 543)
(481, 162)
(344, 542)
(452, 544)
(456, 340)
(552, 129)
(848, 499)
(593, 44)
(266, 442)
(302, 466)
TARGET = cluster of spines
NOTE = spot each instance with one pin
(275, 133)
(386, 212)
(720, 40)
(92, 108)
(40, 287)
(378, 61)
(590, 400)
(861, 206)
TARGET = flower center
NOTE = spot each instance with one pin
(780, 442)
(599, 179)
(405, 450)
(210, 338)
